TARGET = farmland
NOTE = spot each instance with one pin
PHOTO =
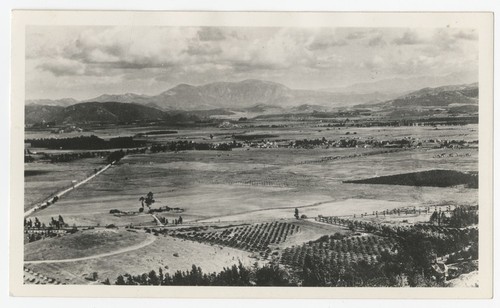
(256, 199)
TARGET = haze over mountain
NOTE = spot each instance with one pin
(52, 102)
(400, 86)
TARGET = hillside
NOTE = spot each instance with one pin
(95, 112)
(441, 96)
(41, 113)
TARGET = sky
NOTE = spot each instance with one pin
(85, 62)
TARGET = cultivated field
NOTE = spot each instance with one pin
(241, 203)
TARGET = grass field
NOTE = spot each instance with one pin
(82, 244)
(52, 178)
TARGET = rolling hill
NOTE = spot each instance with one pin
(441, 96)
(96, 112)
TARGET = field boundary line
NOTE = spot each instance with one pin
(203, 220)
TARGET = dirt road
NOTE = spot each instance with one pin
(61, 193)
(148, 241)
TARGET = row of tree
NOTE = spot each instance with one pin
(54, 223)
(461, 216)
(85, 143)
(185, 145)
(237, 275)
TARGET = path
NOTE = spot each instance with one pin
(157, 220)
(209, 219)
(59, 194)
(147, 242)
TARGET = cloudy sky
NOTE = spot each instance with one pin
(84, 62)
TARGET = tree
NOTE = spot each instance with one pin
(271, 275)
(434, 217)
(296, 213)
(149, 200)
(153, 278)
(120, 281)
(160, 275)
(61, 222)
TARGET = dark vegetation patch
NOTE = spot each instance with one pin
(34, 172)
(254, 137)
(158, 132)
(464, 109)
(434, 178)
(85, 143)
(211, 112)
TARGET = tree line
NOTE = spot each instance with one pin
(185, 145)
(236, 275)
(85, 143)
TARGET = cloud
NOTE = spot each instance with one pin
(63, 67)
(201, 49)
(446, 41)
(416, 65)
(408, 38)
(375, 63)
(150, 59)
(130, 48)
(325, 43)
(329, 61)
(466, 35)
(210, 34)
(356, 35)
(377, 41)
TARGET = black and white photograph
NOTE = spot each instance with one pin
(258, 155)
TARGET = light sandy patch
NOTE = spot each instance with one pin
(158, 254)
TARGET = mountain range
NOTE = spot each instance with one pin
(248, 98)
(241, 94)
